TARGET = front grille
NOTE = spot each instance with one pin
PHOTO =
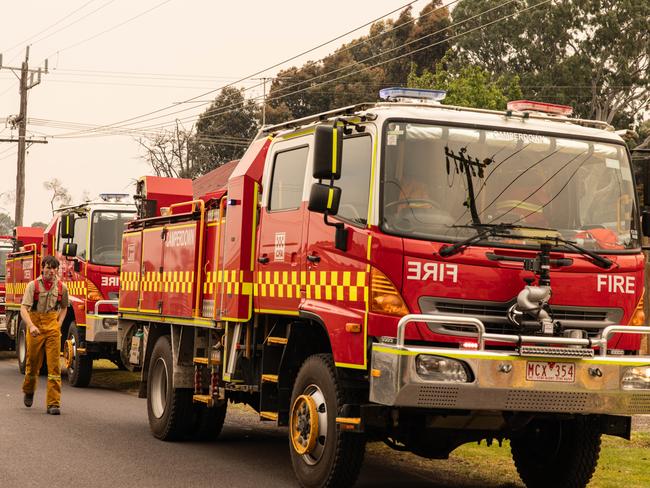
(546, 401)
(437, 396)
(494, 315)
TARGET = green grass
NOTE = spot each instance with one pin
(623, 464)
(107, 375)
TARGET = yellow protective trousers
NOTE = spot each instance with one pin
(50, 340)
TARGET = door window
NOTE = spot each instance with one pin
(288, 179)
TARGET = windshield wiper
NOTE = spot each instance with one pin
(502, 230)
(488, 231)
(600, 261)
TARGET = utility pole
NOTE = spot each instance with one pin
(27, 82)
(264, 80)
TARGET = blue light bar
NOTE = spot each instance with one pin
(418, 93)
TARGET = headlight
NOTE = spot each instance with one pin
(441, 369)
(109, 323)
(637, 378)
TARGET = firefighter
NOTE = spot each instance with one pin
(43, 310)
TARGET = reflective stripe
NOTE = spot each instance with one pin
(54, 377)
(348, 286)
(330, 197)
(334, 143)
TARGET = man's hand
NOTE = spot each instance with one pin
(33, 330)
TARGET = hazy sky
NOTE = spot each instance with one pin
(173, 51)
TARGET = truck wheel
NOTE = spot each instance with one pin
(208, 422)
(21, 346)
(21, 351)
(321, 455)
(80, 367)
(169, 409)
(558, 453)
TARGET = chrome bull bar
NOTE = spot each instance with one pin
(483, 336)
(499, 380)
(98, 303)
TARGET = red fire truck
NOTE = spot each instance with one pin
(25, 241)
(86, 240)
(405, 271)
(6, 246)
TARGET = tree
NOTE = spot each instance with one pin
(39, 224)
(60, 194)
(356, 71)
(6, 224)
(472, 86)
(591, 54)
(224, 130)
(168, 153)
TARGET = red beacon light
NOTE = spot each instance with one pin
(547, 108)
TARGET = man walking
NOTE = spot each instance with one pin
(43, 309)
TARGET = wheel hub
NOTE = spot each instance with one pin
(304, 424)
(68, 352)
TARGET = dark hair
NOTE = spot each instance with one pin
(50, 261)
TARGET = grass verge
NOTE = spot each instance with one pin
(623, 464)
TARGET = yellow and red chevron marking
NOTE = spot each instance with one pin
(16, 288)
(129, 281)
(348, 286)
(168, 281)
(230, 281)
(76, 288)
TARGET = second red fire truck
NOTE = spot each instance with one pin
(86, 239)
(404, 271)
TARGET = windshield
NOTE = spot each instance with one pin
(106, 236)
(3, 259)
(582, 190)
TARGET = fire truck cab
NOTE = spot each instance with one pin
(405, 271)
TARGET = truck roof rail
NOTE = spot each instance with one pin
(293, 124)
(352, 109)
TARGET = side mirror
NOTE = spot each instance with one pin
(645, 222)
(328, 151)
(324, 199)
(66, 230)
(69, 249)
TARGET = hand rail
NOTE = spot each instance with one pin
(482, 336)
(114, 303)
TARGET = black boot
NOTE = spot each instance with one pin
(54, 410)
(28, 399)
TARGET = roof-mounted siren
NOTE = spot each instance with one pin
(113, 197)
(540, 107)
(412, 95)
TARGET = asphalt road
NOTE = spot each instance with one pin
(102, 439)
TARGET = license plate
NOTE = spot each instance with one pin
(550, 371)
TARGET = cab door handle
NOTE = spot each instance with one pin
(312, 258)
(263, 259)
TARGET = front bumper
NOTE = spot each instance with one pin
(499, 380)
(102, 327)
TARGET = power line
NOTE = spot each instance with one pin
(266, 69)
(52, 25)
(208, 114)
(110, 28)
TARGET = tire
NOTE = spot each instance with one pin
(557, 453)
(329, 458)
(169, 409)
(21, 351)
(208, 422)
(80, 367)
(21, 346)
